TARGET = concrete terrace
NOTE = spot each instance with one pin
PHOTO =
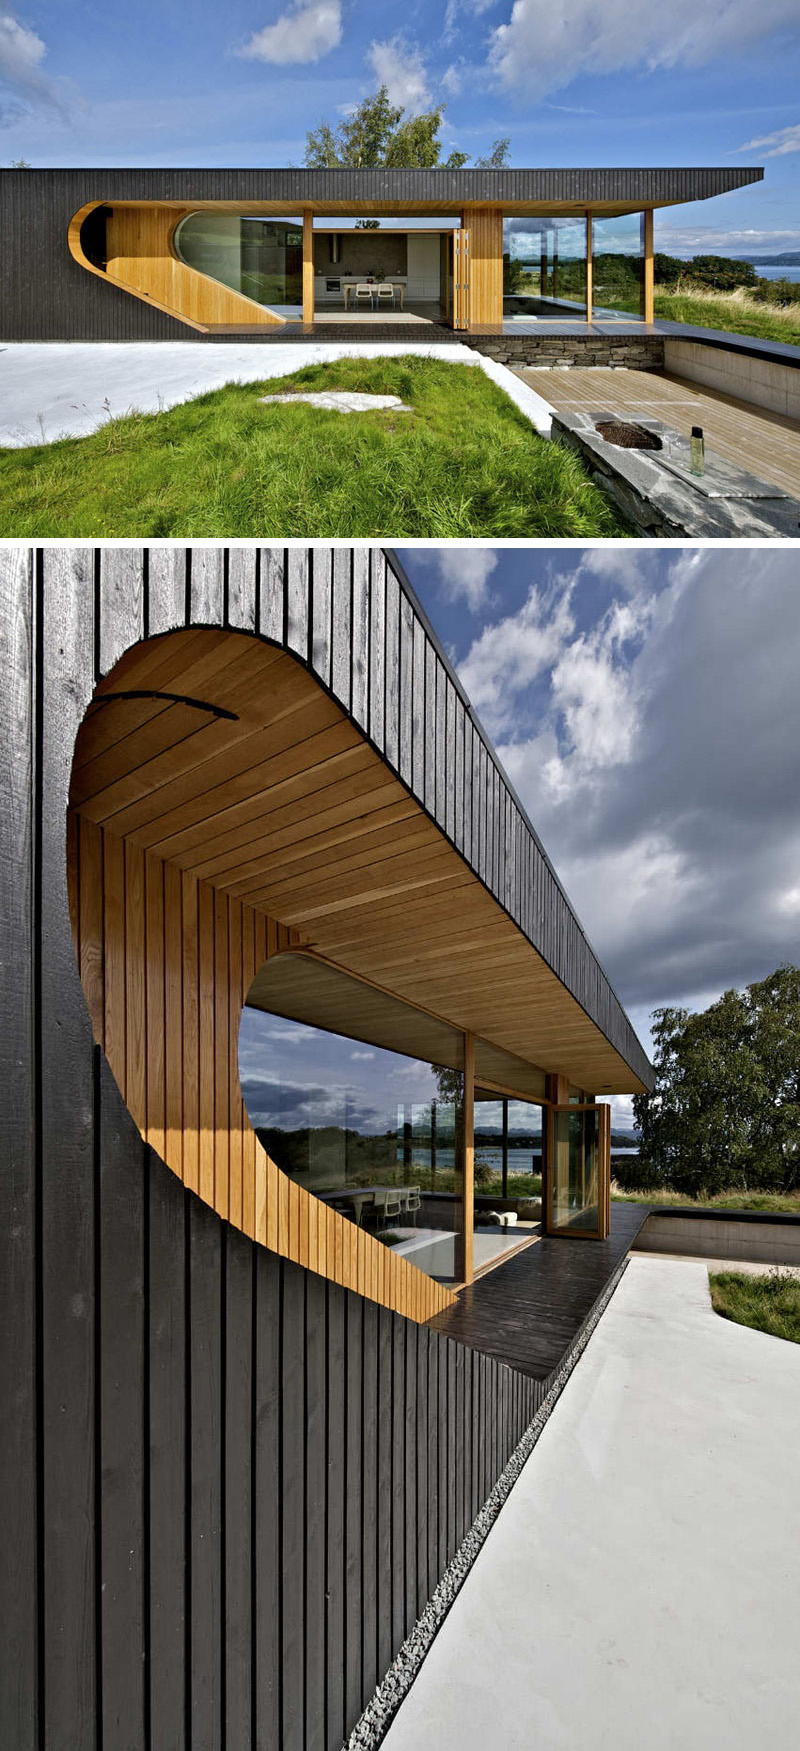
(640, 1585)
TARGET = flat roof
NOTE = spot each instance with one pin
(613, 190)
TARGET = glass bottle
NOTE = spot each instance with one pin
(697, 451)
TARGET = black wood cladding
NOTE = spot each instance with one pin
(232, 1485)
(46, 295)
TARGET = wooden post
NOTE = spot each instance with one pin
(308, 265)
(589, 269)
(468, 1217)
(648, 311)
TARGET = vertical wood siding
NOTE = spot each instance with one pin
(166, 962)
(232, 1481)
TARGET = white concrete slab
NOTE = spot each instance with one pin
(640, 1590)
(54, 389)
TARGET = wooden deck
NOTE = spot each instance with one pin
(763, 442)
(528, 1311)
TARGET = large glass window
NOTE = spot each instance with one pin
(618, 266)
(263, 258)
(375, 1133)
(544, 267)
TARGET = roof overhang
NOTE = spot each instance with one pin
(224, 755)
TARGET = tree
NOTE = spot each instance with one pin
(379, 133)
(725, 1110)
(497, 159)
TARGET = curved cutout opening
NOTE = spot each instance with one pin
(205, 766)
(132, 245)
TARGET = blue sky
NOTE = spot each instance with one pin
(645, 704)
(600, 81)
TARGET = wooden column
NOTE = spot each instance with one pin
(468, 1219)
(308, 265)
(484, 229)
(648, 310)
(589, 269)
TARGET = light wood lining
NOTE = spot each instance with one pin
(166, 962)
(286, 807)
(243, 817)
(142, 259)
(648, 299)
(485, 263)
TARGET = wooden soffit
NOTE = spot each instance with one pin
(226, 757)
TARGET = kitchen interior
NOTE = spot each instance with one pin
(414, 262)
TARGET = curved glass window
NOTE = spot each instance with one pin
(544, 267)
(262, 258)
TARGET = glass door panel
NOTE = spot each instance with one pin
(577, 1199)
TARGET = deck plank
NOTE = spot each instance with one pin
(752, 437)
(528, 1311)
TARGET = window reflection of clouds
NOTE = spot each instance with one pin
(273, 1056)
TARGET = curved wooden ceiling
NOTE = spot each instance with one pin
(224, 756)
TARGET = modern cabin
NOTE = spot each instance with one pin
(169, 254)
(288, 981)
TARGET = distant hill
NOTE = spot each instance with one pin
(789, 258)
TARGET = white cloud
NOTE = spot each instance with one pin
(685, 240)
(509, 655)
(543, 47)
(465, 574)
(399, 65)
(362, 1054)
(782, 141)
(21, 55)
(307, 32)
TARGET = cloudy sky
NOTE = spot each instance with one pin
(618, 81)
(646, 705)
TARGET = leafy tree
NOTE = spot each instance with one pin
(725, 1110)
(380, 133)
(497, 159)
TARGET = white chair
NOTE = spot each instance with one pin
(413, 1202)
(364, 293)
(386, 293)
(392, 1206)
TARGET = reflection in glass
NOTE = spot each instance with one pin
(544, 267)
(576, 1164)
(618, 266)
(508, 1148)
(377, 1135)
(263, 258)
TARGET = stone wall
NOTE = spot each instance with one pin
(636, 352)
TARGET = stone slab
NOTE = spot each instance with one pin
(661, 497)
(341, 401)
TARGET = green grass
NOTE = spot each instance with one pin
(770, 1303)
(786, 1202)
(464, 463)
(732, 311)
(520, 1185)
